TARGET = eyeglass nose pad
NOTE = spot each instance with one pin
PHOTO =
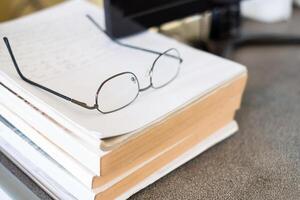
(133, 79)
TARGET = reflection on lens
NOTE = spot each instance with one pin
(166, 68)
(117, 92)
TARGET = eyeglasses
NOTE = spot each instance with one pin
(120, 90)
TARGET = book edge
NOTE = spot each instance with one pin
(202, 146)
(212, 140)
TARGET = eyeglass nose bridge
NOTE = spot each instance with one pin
(147, 75)
(145, 88)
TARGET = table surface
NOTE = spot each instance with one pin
(261, 161)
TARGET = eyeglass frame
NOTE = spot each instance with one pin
(96, 105)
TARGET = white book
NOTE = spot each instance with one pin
(51, 176)
(78, 151)
(62, 50)
(75, 168)
(68, 163)
(47, 173)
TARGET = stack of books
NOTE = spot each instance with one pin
(76, 153)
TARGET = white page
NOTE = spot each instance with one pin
(77, 149)
(61, 49)
(50, 175)
(71, 165)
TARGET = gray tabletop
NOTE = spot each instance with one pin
(262, 161)
(12, 188)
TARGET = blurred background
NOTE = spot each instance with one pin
(219, 31)
(10, 9)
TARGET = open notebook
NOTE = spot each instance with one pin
(60, 48)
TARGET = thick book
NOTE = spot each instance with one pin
(53, 178)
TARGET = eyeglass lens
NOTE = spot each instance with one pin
(117, 92)
(165, 68)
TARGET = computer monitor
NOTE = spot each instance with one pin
(127, 17)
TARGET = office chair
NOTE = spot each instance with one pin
(244, 40)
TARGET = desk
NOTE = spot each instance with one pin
(262, 161)
(11, 188)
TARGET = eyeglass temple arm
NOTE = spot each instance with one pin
(6, 41)
(127, 45)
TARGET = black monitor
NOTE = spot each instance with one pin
(127, 17)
